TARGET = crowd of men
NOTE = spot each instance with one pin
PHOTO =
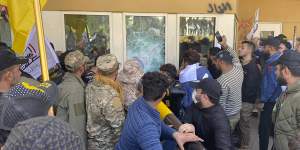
(100, 106)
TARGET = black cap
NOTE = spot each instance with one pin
(272, 41)
(290, 59)
(8, 58)
(282, 37)
(211, 87)
(225, 56)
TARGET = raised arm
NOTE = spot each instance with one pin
(236, 60)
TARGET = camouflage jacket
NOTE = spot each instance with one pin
(105, 116)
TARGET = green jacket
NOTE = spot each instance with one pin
(287, 117)
(71, 103)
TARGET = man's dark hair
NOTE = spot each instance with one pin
(154, 85)
(191, 57)
(286, 43)
(170, 69)
(214, 51)
(250, 44)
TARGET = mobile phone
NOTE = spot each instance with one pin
(219, 37)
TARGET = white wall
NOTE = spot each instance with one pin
(269, 26)
(53, 22)
(54, 31)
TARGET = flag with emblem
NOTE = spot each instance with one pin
(21, 19)
(255, 26)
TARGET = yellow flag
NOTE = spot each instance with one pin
(21, 19)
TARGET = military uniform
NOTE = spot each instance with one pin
(105, 110)
(129, 78)
(71, 103)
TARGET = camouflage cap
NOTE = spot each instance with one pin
(107, 63)
(74, 60)
(132, 72)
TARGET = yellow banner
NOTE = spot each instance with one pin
(21, 19)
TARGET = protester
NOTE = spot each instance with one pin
(260, 55)
(210, 62)
(208, 116)
(143, 128)
(284, 43)
(89, 75)
(43, 133)
(231, 81)
(71, 103)
(129, 78)
(170, 71)
(10, 73)
(23, 102)
(250, 90)
(175, 92)
(270, 90)
(287, 121)
(192, 71)
(104, 103)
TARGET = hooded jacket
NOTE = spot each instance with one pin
(270, 89)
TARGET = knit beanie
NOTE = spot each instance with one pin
(43, 133)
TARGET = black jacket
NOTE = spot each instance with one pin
(174, 97)
(251, 83)
(211, 125)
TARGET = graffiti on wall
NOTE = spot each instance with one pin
(219, 9)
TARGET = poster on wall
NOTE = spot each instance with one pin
(145, 40)
(268, 29)
(88, 33)
(266, 34)
(196, 33)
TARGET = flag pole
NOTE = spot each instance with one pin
(41, 40)
(42, 48)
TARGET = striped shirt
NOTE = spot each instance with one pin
(231, 82)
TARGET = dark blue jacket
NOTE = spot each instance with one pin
(143, 128)
(270, 89)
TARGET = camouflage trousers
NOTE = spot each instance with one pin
(100, 145)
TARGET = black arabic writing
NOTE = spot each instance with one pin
(220, 9)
